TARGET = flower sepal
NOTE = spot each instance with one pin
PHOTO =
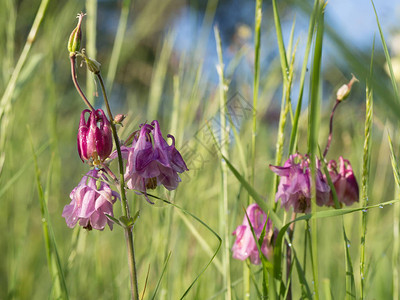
(125, 222)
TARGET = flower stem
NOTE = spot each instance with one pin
(289, 257)
(125, 206)
(328, 144)
(75, 80)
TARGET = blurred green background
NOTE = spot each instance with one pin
(158, 60)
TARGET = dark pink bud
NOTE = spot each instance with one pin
(344, 181)
(94, 136)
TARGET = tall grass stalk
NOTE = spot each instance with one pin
(224, 141)
(314, 112)
(311, 26)
(158, 78)
(387, 56)
(53, 260)
(396, 211)
(285, 101)
(206, 28)
(395, 255)
(11, 10)
(119, 38)
(256, 81)
(365, 176)
(396, 246)
(91, 49)
(6, 99)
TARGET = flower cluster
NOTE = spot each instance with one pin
(91, 200)
(151, 161)
(245, 246)
(294, 188)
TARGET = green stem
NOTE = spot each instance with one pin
(224, 140)
(75, 80)
(328, 144)
(369, 106)
(314, 115)
(257, 42)
(91, 35)
(125, 206)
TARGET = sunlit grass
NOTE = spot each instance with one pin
(149, 79)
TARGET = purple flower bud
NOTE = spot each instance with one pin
(344, 181)
(245, 246)
(151, 161)
(119, 118)
(90, 201)
(294, 187)
(94, 136)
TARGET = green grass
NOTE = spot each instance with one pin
(147, 79)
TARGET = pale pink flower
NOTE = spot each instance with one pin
(91, 200)
(245, 246)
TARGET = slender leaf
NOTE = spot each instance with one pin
(207, 227)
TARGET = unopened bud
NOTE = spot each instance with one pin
(119, 118)
(345, 89)
(74, 42)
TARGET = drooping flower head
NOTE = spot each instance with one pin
(344, 181)
(245, 246)
(90, 201)
(294, 186)
(94, 136)
(151, 161)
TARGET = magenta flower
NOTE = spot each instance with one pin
(294, 186)
(91, 200)
(245, 246)
(344, 181)
(94, 136)
(151, 161)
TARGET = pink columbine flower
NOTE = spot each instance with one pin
(94, 136)
(344, 181)
(151, 161)
(91, 200)
(245, 246)
(294, 186)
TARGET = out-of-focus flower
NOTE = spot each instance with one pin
(245, 246)
(151, 161)
(90, 201)
(344, 181)
(345, 89)
(294, 187)
(94, 136)
(119, 118)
